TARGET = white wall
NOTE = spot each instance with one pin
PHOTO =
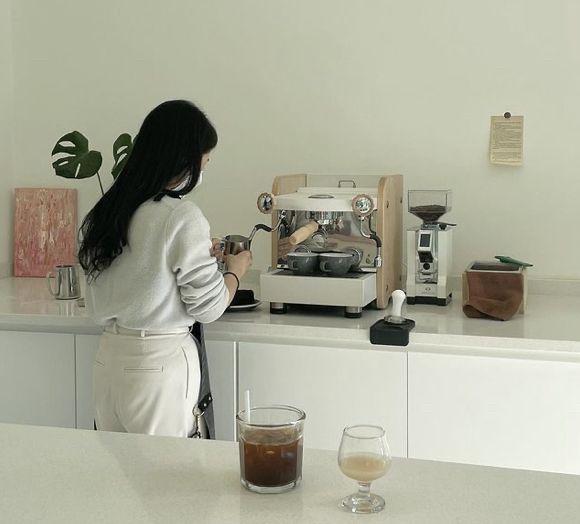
(5, 138)
(330, 86)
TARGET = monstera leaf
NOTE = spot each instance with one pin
(121, 150)
(75, 160)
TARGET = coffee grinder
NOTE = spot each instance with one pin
(429, 248)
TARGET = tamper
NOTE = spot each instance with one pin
(394, 329)
(396, 317)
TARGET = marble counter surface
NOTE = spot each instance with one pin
(63, 476)
(550, 324)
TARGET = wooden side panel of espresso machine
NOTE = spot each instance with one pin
(390, 230)
(283, 185)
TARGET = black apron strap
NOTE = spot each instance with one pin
(205, 399)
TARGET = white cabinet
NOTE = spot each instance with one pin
(37, 379)
(86, 348)
(495, 411)
(221, 360)
(336, 387)
(221, 357)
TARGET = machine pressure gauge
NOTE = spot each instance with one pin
(362, 205)
(266, 203)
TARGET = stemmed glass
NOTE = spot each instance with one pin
(364, 456)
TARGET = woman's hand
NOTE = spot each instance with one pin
(216, 248)
(236, 265)
(240, 263)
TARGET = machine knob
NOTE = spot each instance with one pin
(426, 266)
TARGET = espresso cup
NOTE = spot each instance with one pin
(302, 263)
(335, 264)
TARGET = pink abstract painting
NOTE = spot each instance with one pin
(45, 230)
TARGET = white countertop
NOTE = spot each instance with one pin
(550, 326)
(55, 475)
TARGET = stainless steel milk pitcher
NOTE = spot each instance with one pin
(67, 282)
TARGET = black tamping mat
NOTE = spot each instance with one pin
(391, 334)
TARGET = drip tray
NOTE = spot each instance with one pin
(352, 290)
(289, 273)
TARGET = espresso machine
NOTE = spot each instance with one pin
(429, 248)
(364, 221)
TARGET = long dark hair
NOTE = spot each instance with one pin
(169, 146)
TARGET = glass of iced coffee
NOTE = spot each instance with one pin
(270, 439)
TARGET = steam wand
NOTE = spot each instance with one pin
(266, 228)
(373, 236)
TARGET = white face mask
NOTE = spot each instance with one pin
(186, 181)
(198, 183)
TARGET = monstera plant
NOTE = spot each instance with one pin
(73, 158)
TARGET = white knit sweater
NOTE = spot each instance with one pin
(165, 278)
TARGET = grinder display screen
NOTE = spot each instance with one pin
(424, 241)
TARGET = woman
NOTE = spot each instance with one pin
(151, 274)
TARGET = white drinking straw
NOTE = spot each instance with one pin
(247, 401)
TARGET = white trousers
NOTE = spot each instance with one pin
(146, 383)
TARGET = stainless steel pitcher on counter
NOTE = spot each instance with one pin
(67, 282)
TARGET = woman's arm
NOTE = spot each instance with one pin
(238, 265)
(188, 246)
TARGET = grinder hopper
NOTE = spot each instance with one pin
(429, 205)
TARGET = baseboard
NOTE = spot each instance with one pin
(5, 269)
(554, 286)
